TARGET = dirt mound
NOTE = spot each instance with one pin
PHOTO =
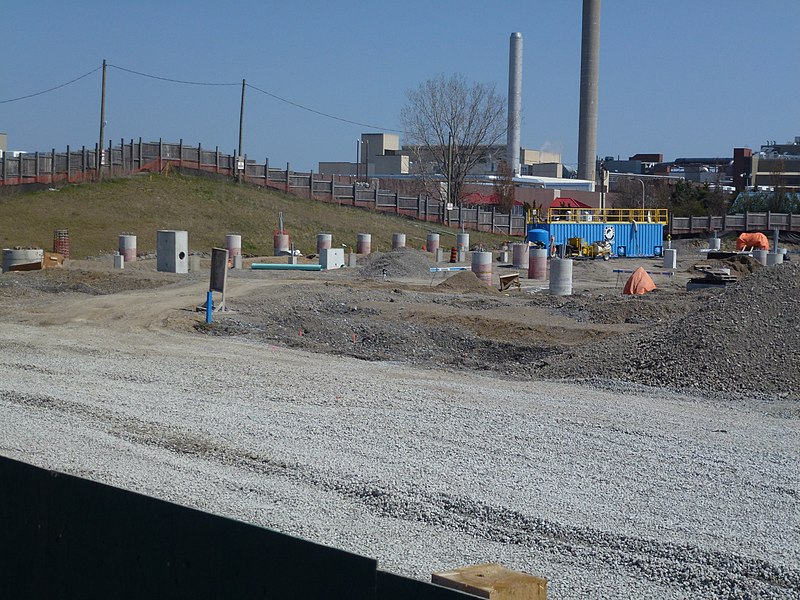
(465, 282)
(741, 265)
(405, 263)
(740, 340)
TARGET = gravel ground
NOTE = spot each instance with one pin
(608, 489)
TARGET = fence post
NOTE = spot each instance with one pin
(333, 188)
(746, 220)
(494, 214)
(180, 153)
(266, 171)
(396, 202)
(311, 184)
(36, 168)
(419, 205)
(110, 158)
(199, 156)
(68, 163)
(160, 155)
(769, 220)
(354, 193)
(52, 165)
(287, 177)
(789, 221)
(140, 153)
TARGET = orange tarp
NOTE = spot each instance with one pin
(639, 283)
(752, 240)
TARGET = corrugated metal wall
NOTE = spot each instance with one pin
(643, 239)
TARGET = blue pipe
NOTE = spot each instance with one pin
(209, 307)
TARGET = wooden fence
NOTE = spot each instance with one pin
(742, 222)
(126, 158)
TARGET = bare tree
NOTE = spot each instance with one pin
(450, 126)
(504, 187)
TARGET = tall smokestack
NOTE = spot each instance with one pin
(514, 101)
(590, 66)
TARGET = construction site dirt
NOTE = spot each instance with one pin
(709, 378)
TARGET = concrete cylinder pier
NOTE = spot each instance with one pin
(21, 256)
(561, 277)
(237, 261)
(324, 241)
(432, 243)
(194, 263)
(398, 241)
(774, 258)
(519, 256)
(280, 244)
(537, 264)
(462, 242)
(119, 261)
(364, 243)
(760, 256)
(713, 243)
(670, 258)
(61, 242)
(127, 247)
(233, 244)
(482, 266)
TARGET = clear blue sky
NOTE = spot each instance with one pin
(681, 78)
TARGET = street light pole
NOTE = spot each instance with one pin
(642, 182)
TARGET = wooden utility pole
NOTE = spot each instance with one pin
(102, 124)
(241, 130)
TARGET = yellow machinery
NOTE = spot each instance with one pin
(576, 247)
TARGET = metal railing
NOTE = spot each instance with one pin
(608, 215)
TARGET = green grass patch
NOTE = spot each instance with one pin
(96, 213)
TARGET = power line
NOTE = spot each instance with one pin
(323, 114)
(50, 89)
(169, 79)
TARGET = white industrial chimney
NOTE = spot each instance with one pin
(514, 102)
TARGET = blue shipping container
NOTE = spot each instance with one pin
(627, 239)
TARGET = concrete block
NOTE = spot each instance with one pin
(331, 258)
(173, 251)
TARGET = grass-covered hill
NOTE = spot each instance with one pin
(96, 213)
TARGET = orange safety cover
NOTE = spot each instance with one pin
(752, 240)
(639, 283)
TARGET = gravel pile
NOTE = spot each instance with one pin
(740, 340)
(655, 497)
(403, 263)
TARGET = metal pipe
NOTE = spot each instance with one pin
(209, 307)
(590, 67)
(284, 267)
(514, 102)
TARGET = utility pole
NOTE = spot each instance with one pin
(241, 130)
(449, 175)
(102, 124)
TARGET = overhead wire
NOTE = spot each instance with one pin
(318, 112)
(214, 84)
(52, 88)
(171, 80)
